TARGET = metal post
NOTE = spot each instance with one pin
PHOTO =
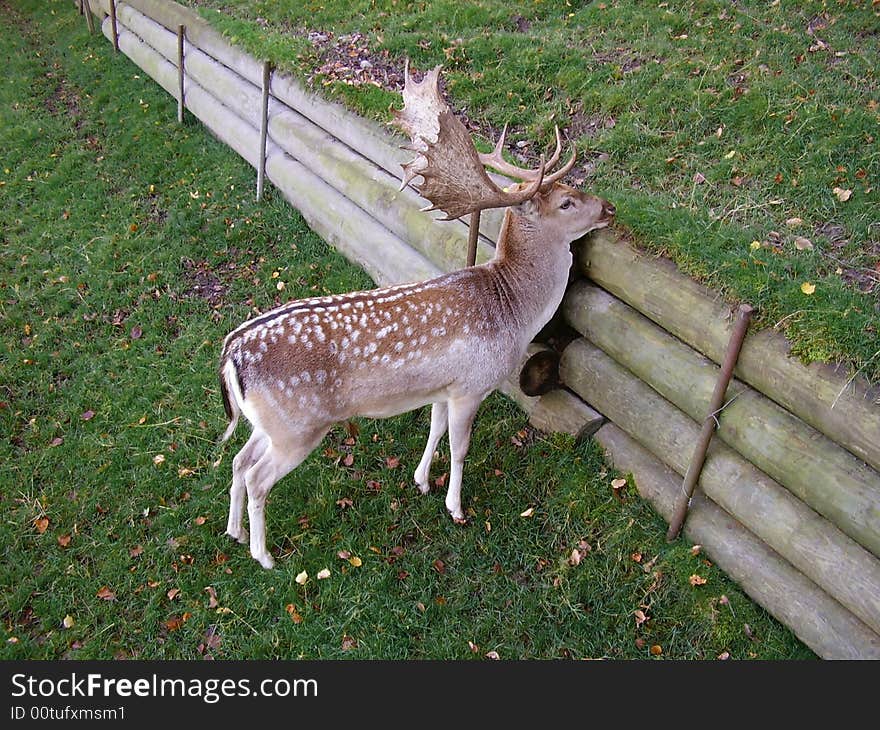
(87, 11)
(695, 468)
(113, 25)
(473, 235)
(181, 32)
(264, 130)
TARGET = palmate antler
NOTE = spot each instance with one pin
(455, 179)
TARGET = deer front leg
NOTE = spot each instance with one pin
(439, 423)
(254, 448)
(461, 418)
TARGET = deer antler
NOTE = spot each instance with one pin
(455, 180)
(497, 162)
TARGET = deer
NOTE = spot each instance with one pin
(299, 369)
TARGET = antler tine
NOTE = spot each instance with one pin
(497, 162)
(562, 171)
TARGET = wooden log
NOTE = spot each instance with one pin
(817, 619)
(827, 477)
(812, 544)
(848, 413)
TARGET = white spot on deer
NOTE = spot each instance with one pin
(321, 377)
(408, 331)
(297, 327)
(398, 346)
(466, 329)
(344, 343)
(319, 333)
(262, 333)
(438, 331)
(356, 352)
(281, 385)
(337, 382)
(355, 334)
(294, 381)
(341, 358)
(263, 347)
(423, 340)
(305, 376)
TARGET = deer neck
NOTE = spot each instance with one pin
(530, 270)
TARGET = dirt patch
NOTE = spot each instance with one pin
(202, 282)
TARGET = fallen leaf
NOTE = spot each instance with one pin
(173, 623)
(200, 520)
(640, 643)
(492, 655)
(212, 597)
(527, 513)
(803, 244)
(730, 155)
(212, 638)
(699, 178)
(64, 540)
(748, 632)
(173, 593)
(343, 555)
(88, 415)
(656, 650)
(105, 594)
(348, 460)
(808, 288)
(842, 194)
(348, 642)
(57, 441)
(159, 459)
(575, 557)
(41, 524)
(301, 578)
(185, 471)
(322, 574)
(392, 462)
(68, 621)
(355, 561)
(695, 549)
(724, 655)
(794, 222)
(640, 616)
(136, 332)
(755, 245)
(636, 557)
(344, 502)
(440, 566)
(294, 614)
(697, 580)
(135, 551)
(618, 483)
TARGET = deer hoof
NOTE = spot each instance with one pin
(423, 486)
(241, 537)
(265, 560)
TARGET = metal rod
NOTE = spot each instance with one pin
(695, 467)
(473, 234)
(113, 25)
(87, 11)
(181, 33)
(264, 129)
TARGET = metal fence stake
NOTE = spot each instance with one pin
(264, 129)
(181, 32)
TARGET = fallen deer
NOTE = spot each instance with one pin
(299, 369)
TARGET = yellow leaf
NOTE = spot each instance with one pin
(527, 513)
(697, 580)
(730, 155)
(656, 650)
(301, 578)
(355, 561)
(842, 194)
(808, 288)
(68, 621)
(755, 245)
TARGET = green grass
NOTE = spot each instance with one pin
(771, 105)
(130, 247)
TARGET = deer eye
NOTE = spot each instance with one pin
(566, 204)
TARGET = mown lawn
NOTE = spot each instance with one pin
(130, 247)
(741, 139)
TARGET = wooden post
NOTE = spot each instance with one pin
(181, 32)
(473, 235)
(87, 11)
(264, 130)
(114, 26)
(696, 465)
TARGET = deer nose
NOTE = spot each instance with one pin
(608, 208)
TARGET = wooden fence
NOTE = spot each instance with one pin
(789, 497)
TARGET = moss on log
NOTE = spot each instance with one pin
(848, 413)
(814, 468)
(816, 618)
(811, 543)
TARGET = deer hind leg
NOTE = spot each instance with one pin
(277, 461)
(439, 423)
(254, 448)
(461, 418)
